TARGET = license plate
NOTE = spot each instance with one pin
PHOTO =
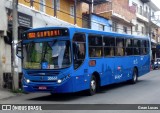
(42, 87)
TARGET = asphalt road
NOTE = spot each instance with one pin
(145, 91)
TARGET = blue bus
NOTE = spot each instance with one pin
(68, 59)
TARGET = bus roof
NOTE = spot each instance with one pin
(90, 31)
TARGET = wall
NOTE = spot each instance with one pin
(119, 7)
(3, 17)
(4, 50)
(122, 8)
(139, 31)
(120, 30)
(63, 14)
(97, 20)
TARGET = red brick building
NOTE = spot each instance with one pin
(122, 15)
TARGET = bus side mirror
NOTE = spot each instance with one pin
(19, 50)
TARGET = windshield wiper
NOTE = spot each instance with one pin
(31, 45)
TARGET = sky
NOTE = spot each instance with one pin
(157, 3)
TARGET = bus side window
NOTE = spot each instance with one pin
(136, 46)
(129, 47)
(143, 47)
(95, 51)
(119, 47)
(109, 46)
(95, 46)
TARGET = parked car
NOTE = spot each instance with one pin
(156, 63)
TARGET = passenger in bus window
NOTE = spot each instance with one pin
(111, 51)
(98, 52)
(93, 52)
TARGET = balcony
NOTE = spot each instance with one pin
(115, 10)
(142, 15)
(126, 12)
(145, 1)
(96, 2)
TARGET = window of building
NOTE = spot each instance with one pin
(152, 14)
(140, 11)
(72, 11)
(136, 27)
(95, 46)
(135, 5)
(42, 5)
(146, 9)
(125, 29)
(146, 12)
(114, 27)
(142, 30)
(58, 4)
(100, 27)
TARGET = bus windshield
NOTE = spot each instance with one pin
(47, 55)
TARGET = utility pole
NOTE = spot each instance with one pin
(90, 15)
(92, 5)
(14, 59)
(75, 12)
(1, 72)
(55, 8)
(149, 31)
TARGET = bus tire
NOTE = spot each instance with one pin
(93, 86)
(134, 77)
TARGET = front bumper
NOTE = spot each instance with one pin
(51, 87)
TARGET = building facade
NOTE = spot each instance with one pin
(64, 9)
(97, 22)
(121, 14)
(135, 17)
(146, 24)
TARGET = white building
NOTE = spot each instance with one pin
(145, 24)
(143, 8)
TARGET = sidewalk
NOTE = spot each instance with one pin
(5, 94)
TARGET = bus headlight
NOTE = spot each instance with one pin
(28, 81)
(59, 81)
(63, 79)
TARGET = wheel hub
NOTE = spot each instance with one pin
(93, 85)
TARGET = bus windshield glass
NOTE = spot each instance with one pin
(47, 55)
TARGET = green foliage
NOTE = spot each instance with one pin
(17, 91)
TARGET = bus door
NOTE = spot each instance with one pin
(119, 60)
(109, 59)
(109, 70)
(80, 64)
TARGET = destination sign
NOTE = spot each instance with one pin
(47, 33)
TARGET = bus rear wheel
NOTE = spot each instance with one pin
(93, 86)
(134, 76)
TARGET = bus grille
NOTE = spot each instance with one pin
(39, 73)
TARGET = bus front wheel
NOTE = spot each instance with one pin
(93, 86)
(135, 76)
